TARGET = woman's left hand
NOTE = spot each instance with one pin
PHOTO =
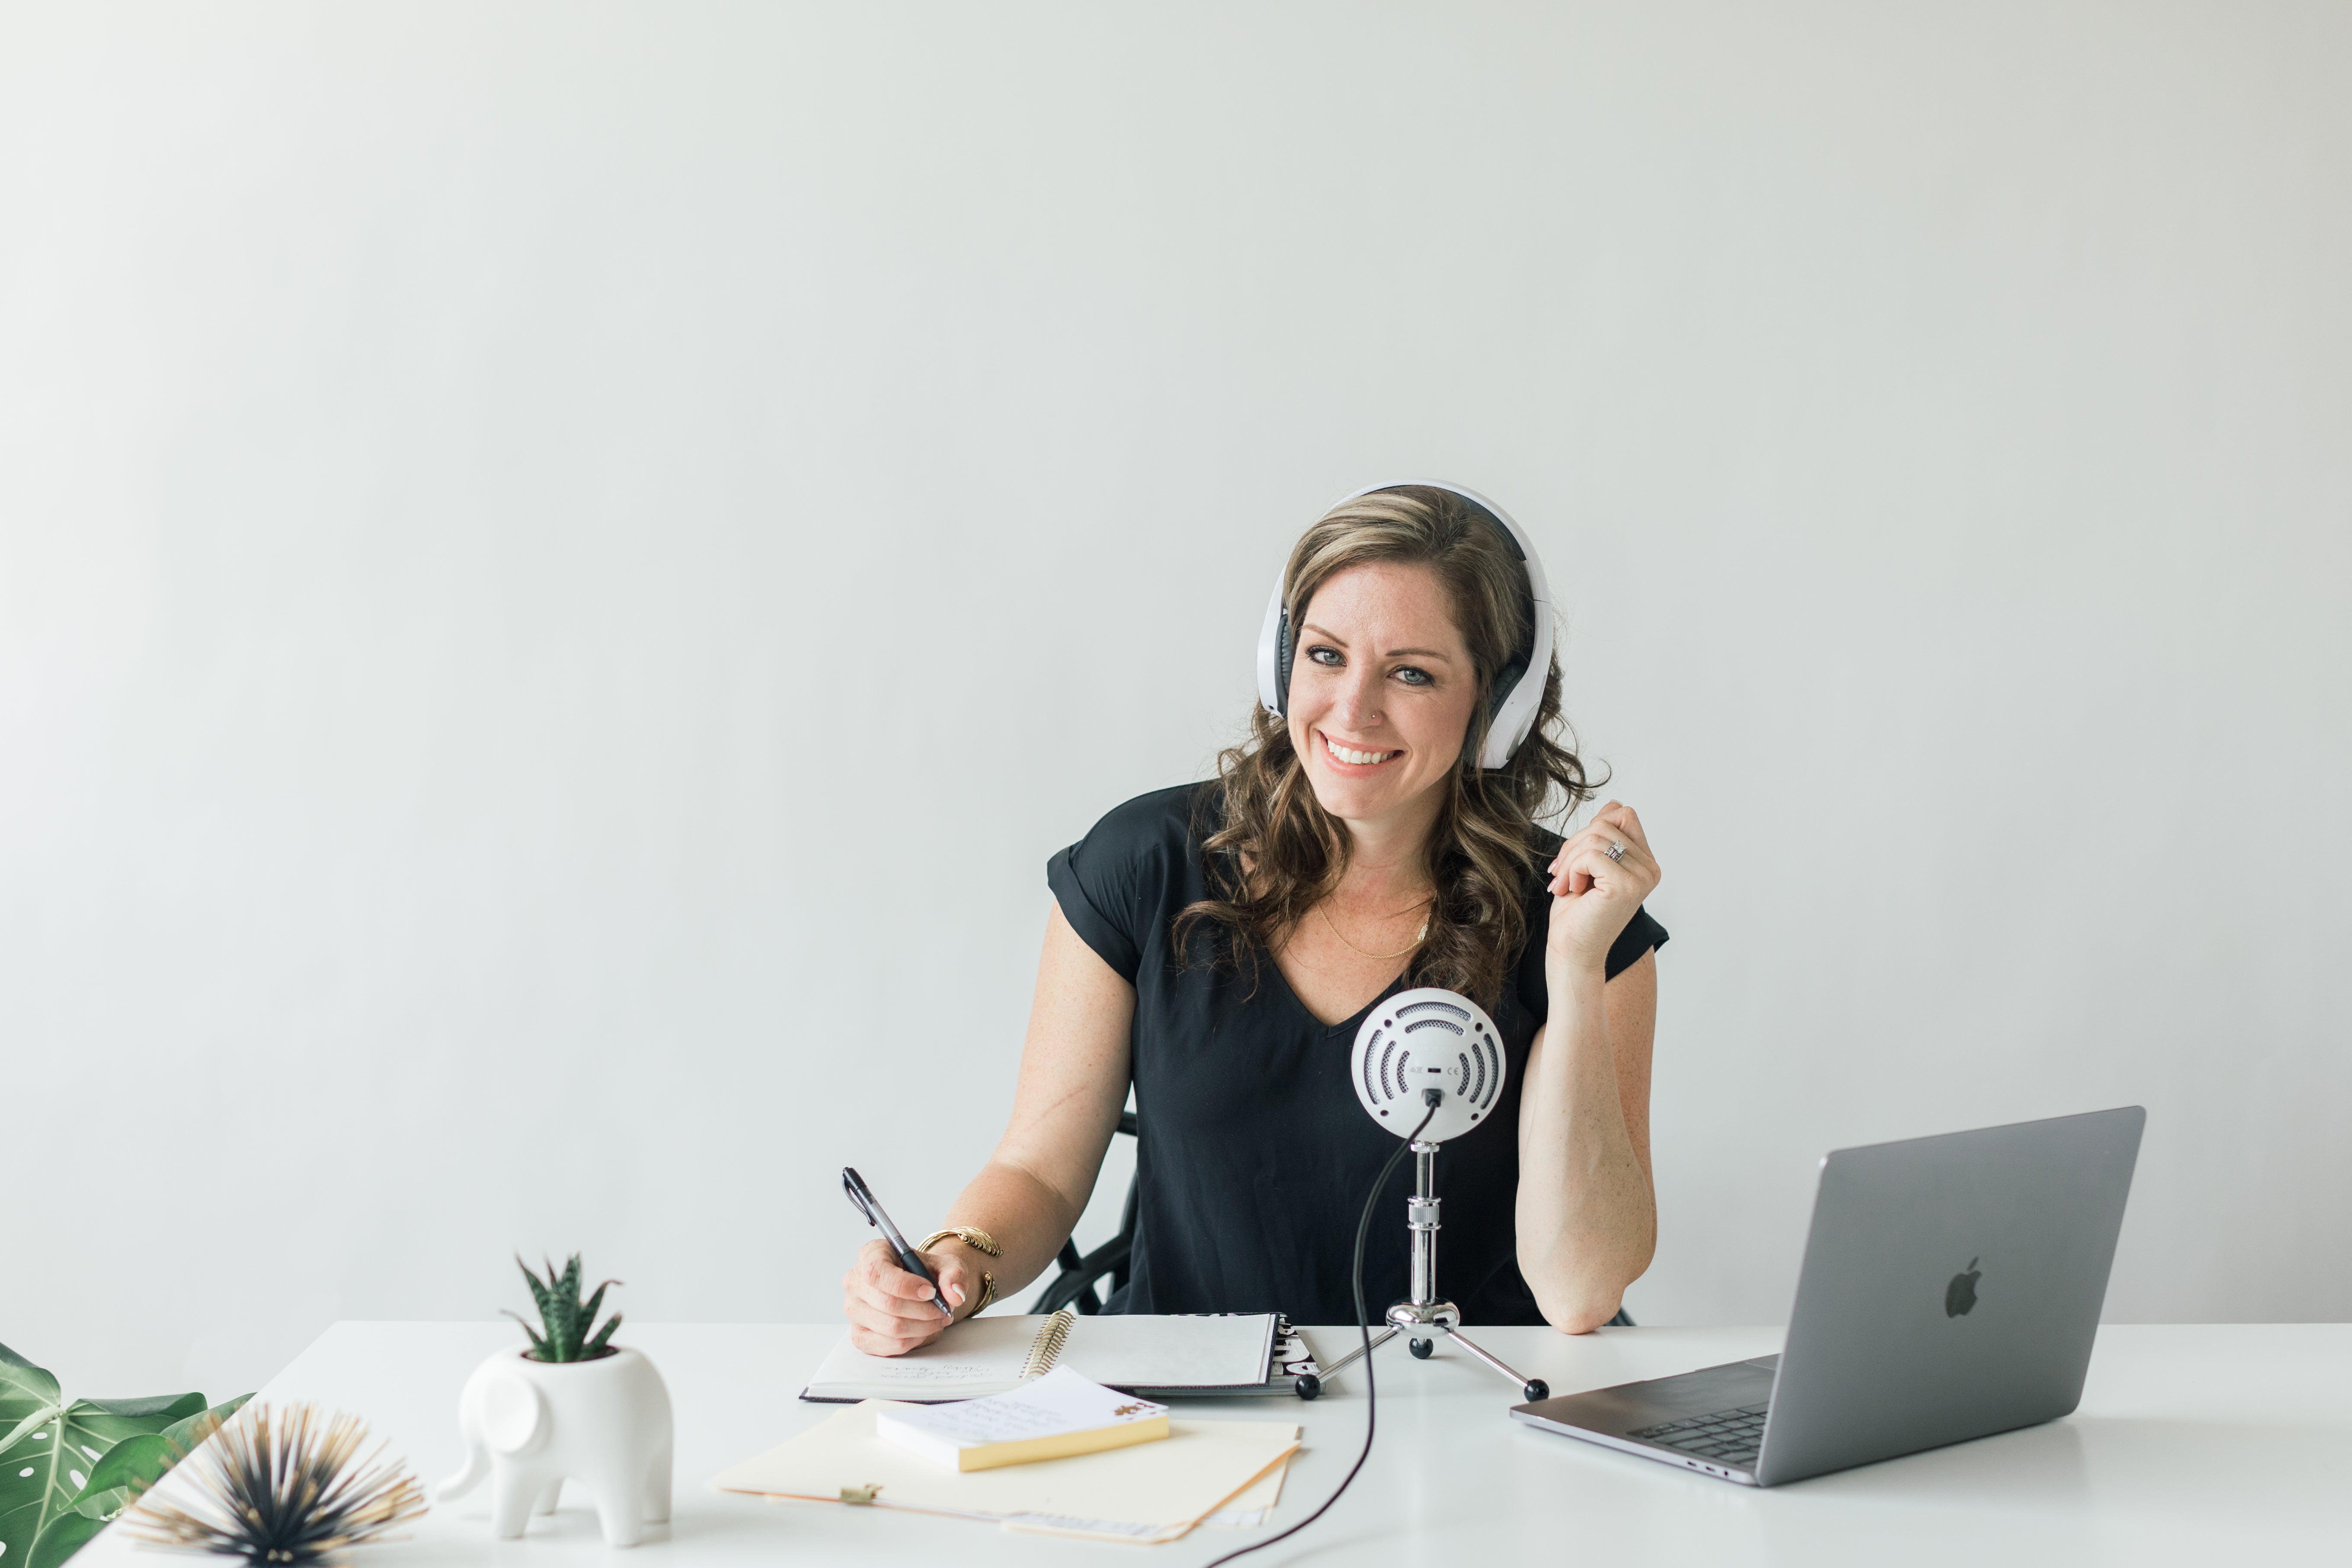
(1593, 892)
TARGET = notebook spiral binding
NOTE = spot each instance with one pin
(1046, 1348)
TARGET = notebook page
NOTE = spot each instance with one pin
(1171, 1352)
(977, 1355)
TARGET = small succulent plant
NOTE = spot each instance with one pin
(565, 1317)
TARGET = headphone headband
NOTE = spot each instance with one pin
(1519, 685)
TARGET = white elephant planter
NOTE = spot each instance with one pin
(531, 1425)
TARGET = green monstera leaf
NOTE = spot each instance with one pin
(53, 1452)
(28, 1397)
(130, 1467)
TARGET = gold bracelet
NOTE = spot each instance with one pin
(980, 1241)
(971, 1235)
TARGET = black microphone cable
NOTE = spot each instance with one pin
(1433, 1097)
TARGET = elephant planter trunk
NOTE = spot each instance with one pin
(531, 1425)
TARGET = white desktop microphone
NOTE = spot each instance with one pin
(1422, 1039)
(1428, 1065)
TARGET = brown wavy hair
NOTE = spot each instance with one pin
(1274, 852)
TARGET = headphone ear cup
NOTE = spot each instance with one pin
(1506, 680)
(1282, 667)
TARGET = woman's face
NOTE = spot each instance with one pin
(1381, 688)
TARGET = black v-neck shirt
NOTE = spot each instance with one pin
(1252, 1155)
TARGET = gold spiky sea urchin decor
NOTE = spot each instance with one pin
(281, 1489)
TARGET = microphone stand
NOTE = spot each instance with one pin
(1424, 1311)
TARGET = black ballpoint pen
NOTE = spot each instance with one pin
(909, 1259)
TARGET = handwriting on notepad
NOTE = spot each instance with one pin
(936, 1372)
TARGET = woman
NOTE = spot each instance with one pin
(1216, 945)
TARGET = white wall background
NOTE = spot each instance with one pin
(562, 568)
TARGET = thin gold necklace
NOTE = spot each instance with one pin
(1418, 937)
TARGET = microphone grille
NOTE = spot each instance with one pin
(1422, 1039)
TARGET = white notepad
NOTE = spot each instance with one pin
(991, 1355)
(1048, 1417)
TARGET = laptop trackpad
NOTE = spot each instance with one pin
(1631, 1407)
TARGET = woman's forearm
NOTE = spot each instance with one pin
(1074, 1078)
(1022, 1213)
(1587, 1214)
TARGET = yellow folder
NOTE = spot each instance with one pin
(1149, 1492)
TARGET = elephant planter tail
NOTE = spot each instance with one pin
(531, 1425)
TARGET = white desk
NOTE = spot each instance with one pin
(2203, 1446)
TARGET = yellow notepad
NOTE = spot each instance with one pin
(1048, 1417)
(1151, 1493)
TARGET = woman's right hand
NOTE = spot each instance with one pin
(890, 1312)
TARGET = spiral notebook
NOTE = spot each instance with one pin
(1152, 1355)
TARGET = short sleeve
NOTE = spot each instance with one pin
(1114, 884)
(1641, 935)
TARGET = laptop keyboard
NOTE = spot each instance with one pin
(1726, 1436)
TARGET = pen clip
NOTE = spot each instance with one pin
(855, 1185)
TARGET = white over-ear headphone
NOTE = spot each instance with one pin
(1519, 685)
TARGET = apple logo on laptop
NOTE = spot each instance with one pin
(1960, 1295)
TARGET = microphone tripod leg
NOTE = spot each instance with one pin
(1534, 1388)
(1383, 1337)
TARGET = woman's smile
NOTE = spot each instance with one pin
(1351, 757)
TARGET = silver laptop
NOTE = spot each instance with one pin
(1950, 1289)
